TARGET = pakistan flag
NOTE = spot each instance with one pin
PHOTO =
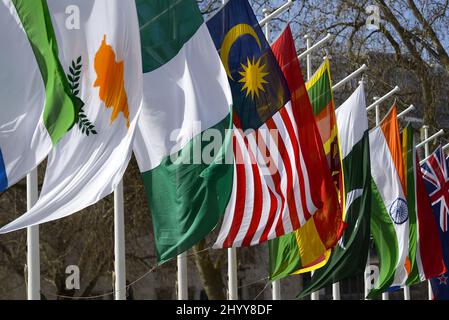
(348, 258)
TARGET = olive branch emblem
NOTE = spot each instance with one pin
(74, 76)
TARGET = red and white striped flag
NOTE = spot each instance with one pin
(281, 176)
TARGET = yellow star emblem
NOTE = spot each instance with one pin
(253, 77)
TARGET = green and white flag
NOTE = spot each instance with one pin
(181, 141)
(348, 258)
(99, 48)
(36, 104)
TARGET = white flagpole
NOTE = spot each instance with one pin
(336, 291)
(232, 260)
(426, 155)
(276, 284)
(368, 262)
(232, 274)
(119, 244)
(385, 97)
(446, 147)
(385, 295)
(316, 46)
(182, 277)
(400, 115)
(308, 57)
(350, 77)
(276, 289)
(275, 13)
(336, 286)
(406, 293)
(406, 111)
(33, 259)
(426, 141)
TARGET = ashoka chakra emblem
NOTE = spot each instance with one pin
(399, 211)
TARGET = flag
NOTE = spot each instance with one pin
(37, 106)
(389, 212)
(290, 253)
(304, 250)
(319, 88)
(313, 253)
(436, 178)
(425, 253)
(274, 192)
(258, 86)
(349, 257)
(186, 110)
(102, 62)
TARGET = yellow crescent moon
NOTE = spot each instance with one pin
(231, 37)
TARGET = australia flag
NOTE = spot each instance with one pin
(436, 177)
(258, 86)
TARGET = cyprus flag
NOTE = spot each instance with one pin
(99, 49)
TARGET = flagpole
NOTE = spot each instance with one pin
(315, 46)
(336, 285)
(426, 141)
(385, 97)
(182, 277)
(446, 147)
(265, 22)
(33, 258)
(119, 244)
(232, 259)
(426, 155)
(268, 17)
(232, 274)
(308, 57)
(385, 295)
(368, 260)
(350, 77)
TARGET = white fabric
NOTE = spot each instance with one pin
(182, 98)
(352, 123)
(280, 207)
(24, 140)
(352, 120)
(83, 169)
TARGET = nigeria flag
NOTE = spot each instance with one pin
(181, 140)
(36, 104)
(348, 258)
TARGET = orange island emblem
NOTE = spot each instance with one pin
(110, 79)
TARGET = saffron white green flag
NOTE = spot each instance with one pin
(102, 59)
(389, 211)
(36, 105)
(181, 141)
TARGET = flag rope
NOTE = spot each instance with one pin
(151, 270)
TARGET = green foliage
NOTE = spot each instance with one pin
(74, 76)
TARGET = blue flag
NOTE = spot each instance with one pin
(258, 86)
(436, 177)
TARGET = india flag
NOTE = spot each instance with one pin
(36, 104)
(389, 211)
(181, 141)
